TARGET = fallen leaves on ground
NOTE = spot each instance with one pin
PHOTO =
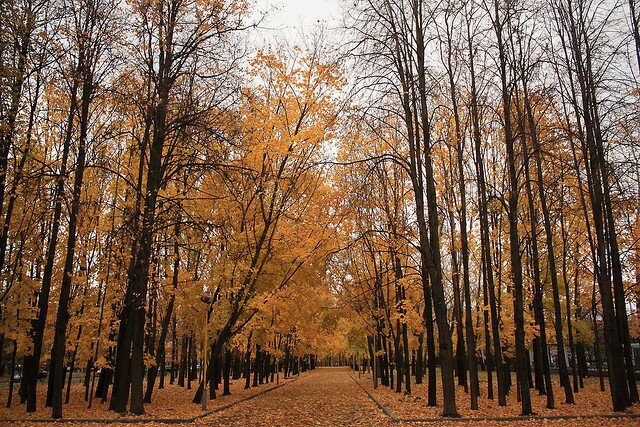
(590, 401)
(330, 397)
(324, 397)
(578, 422)
(172, 402)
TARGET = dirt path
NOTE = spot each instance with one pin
(324, 397)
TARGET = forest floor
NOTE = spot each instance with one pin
(171, 402)
(324, 397)
(590, 404)
(331, 397)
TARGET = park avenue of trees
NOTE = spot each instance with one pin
(449, 194)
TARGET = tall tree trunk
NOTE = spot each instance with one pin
(12, 372)
(432, 249)
(622, 320)
(470, 334)
(457, 310)
(496, 360)
(226, 367)
(131, 344)
(16, 76)
(533, 216)
(565, 279)
(462, 211)
(32, 362)
(62, 318)
(562, 361)
(516, 262)
(579, 53)
(161, 350)
(183, 362)
(256, 366)
(174, 350)
(596, 341)
(402, 349)
(247, 363)
(122, 366)
(418, 372)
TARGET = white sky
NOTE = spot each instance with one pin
(290, 18)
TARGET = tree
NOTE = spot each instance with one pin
(173, 35)
(93, 33)
(578, 49)
(506, 87)
(270, 185)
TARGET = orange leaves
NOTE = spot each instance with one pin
(590, 401)
(172, 402)
(271, 222)
(294, 98)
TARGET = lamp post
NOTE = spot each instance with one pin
(206, 298)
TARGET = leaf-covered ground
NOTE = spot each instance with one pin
(331, 397)
(590, 401)
(579, 422)
(324, 397)
(172, 402)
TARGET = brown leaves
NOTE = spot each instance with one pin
(590, 401)
(172, 402)
(324, 397)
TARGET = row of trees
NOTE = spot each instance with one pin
(499, 200)
(146, 158)
(485, 200)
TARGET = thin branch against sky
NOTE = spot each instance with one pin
(290, 18)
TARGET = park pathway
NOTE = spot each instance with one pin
(323, 397)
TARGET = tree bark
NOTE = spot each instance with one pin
(594, 163)
(516, 262)
(62, 318)
(494, 359)
(161, 350)
(32, 362)
(533, 217)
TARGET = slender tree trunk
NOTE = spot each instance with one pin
(470, 336)
(256, 366)
(174, 350)
(22, 44)
(457, 311)
(226, 371)
(579, 53)
(12, 372)
(432, 249)
(419, 359)
(565, 279)
(596, 341)
(72, 367)
(62, 319)
(122, 380)
(32, 362)
(183, 362)
(131, 344)
(161, 350)
(516, 262)
(533, 216)
(405, 348)
(247, 363)
(496, 360)
(189, 372)
(564, 372)
(163, 372)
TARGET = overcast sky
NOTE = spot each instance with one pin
(291, 17)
